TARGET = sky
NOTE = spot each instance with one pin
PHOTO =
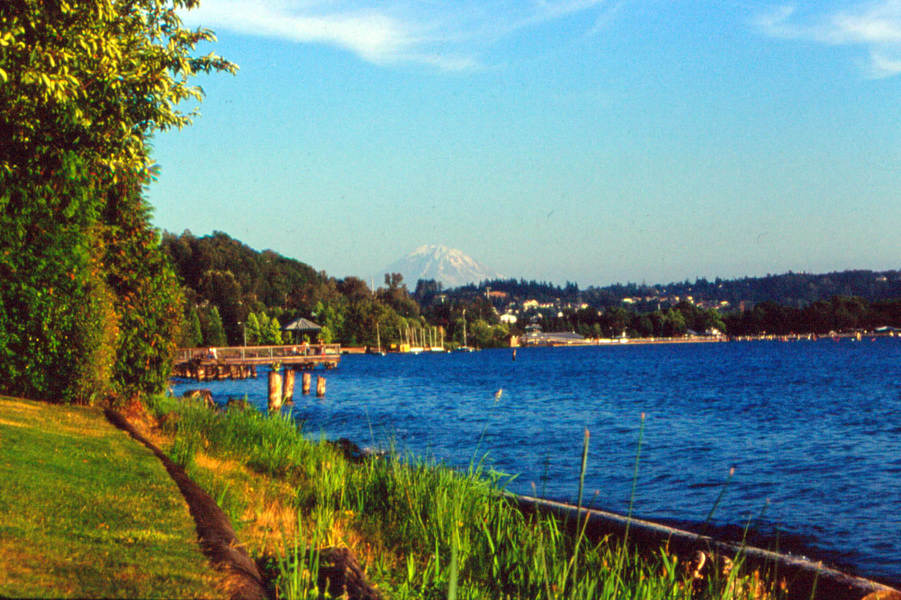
(594, 141)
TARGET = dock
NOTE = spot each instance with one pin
(241, 362)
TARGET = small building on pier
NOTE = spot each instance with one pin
(300, 327)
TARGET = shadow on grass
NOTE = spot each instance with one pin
(217, 537)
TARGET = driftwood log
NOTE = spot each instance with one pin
(204, 394)
(341, 573)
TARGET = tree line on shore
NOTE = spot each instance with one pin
(243, 294)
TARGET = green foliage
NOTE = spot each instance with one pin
(94, 345)
(239, 280)
(263, 330)
(148, 297)
(96, 77)
(251, 287)
(192, 334)
(252, 330)
(326, 334)
(398, 297)
(331, 317)
(224, 292)
(273, 332)
(443, 529)
(840, 313)
(57, 318)
(89, 304)
(213, 332)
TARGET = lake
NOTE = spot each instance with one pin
(812, 430)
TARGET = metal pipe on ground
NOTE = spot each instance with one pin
(803, 576)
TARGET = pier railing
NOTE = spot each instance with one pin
(259, 354)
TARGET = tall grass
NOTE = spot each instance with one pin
(439, 532)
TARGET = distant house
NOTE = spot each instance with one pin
(508, 318)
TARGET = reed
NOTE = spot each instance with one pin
(437, 532)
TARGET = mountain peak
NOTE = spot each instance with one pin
(450, 266)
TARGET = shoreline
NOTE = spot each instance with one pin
(614, 342)
(533, 377)
(812, 576)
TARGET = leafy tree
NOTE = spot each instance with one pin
(673, 323)
(96, 78)
(192, 335)
(426, 289)
(82, 86)
(57, 323)
(397, 296)
(354, 289)
(615, 320)
(326, 334)
(213, 331)
(643, 325)
(330, 316)
(221, 288)
(273, 332)
(148, 296)
(252, 329)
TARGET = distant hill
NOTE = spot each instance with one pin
(796, 290)
(262, 277)
(449, 266)
(790, 289)
(225, 281)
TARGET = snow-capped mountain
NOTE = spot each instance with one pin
(447, 265)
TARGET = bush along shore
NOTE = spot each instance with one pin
(323, 520)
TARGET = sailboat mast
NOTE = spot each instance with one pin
(464, 327)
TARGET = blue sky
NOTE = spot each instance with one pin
(583, 140)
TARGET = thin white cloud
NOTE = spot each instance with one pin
(447, 35)
(876, 26)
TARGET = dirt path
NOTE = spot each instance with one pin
(217, 537)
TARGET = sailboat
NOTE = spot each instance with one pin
(378, 342)
(465, 347)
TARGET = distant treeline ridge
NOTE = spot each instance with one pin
(236, 294)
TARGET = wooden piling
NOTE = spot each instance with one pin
(320, 386)
(305, 382)
(289, 385)
(275, 390)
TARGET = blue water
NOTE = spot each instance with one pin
(812, 429)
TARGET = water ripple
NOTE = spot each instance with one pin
(811, 430)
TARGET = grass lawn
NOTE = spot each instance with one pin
(85, 511)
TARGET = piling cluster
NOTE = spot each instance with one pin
(281, 388)
(282, 391)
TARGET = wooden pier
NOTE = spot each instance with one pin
(241, 362)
